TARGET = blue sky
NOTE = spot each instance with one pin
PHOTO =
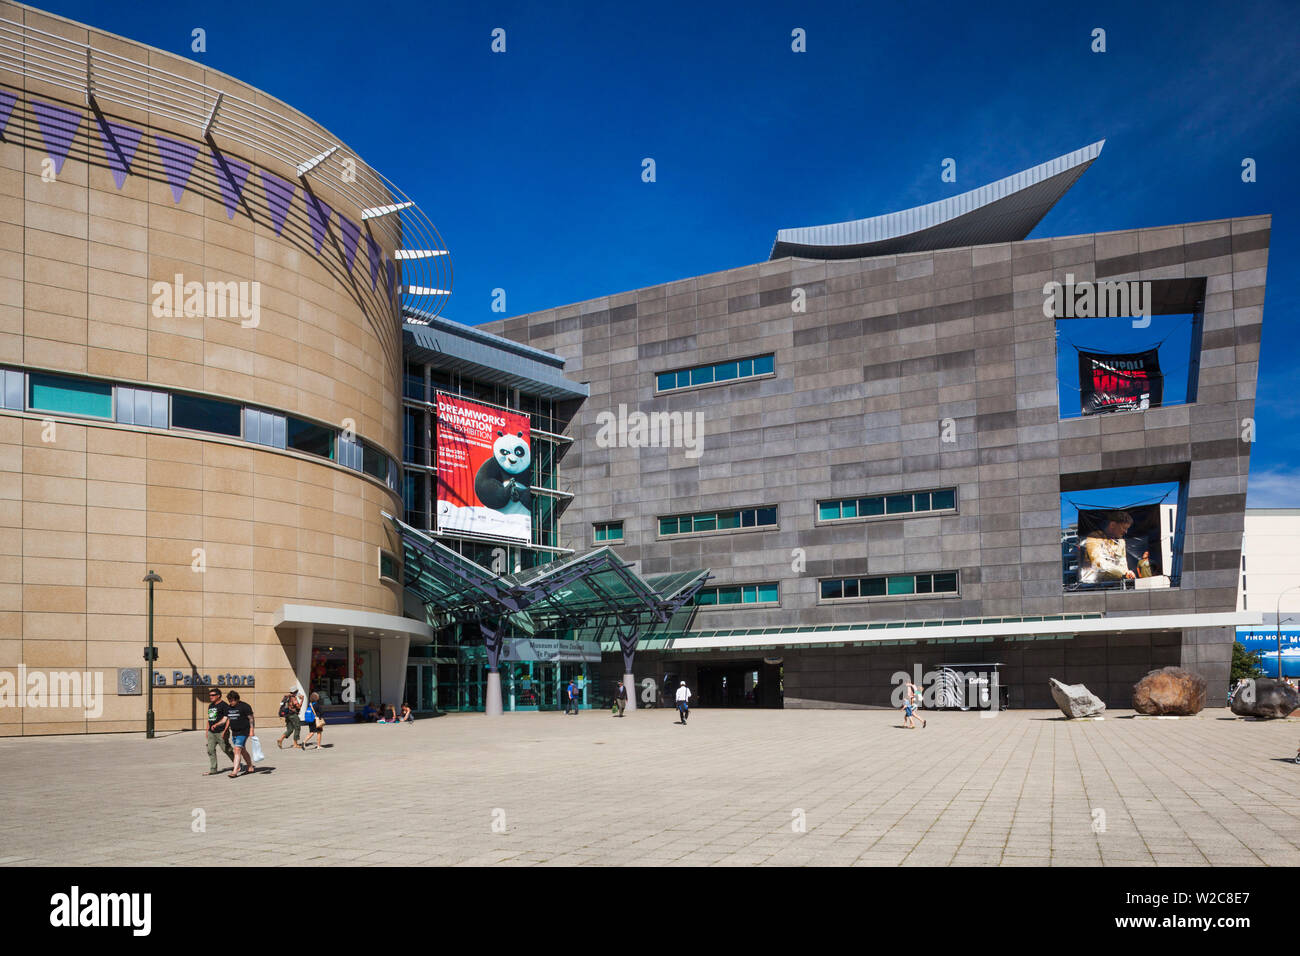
(529, 162)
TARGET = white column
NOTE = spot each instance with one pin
(492, 705)
(392, 669)
(302, 667)
(352, 676)
(629, 681)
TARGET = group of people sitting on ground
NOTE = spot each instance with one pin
(384, 714)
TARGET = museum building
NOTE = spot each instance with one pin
(872, 439)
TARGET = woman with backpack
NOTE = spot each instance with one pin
(313, 720)
(290, 704)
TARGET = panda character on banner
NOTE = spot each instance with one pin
(502, 480)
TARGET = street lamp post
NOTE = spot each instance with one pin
(150, 652)
(1279, 628)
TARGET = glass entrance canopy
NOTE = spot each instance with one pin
(587, 593)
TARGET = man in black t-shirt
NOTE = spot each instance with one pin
(240, 716)
(217, 722)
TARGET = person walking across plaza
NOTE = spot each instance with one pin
(571, 698)
(290, 704)
(620, 698)
(217, 723)
(909, 707)
(241, 728)
(314, 721)
(683, 702)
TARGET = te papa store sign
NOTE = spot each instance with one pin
(193, 679)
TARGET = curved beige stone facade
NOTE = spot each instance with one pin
(87, 507)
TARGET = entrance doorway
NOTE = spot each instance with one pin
(738, 684)
(422, 686)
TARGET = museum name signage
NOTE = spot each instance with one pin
(191, 679)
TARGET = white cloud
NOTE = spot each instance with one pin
(1273, 488)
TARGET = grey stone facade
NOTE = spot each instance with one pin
(887, 349)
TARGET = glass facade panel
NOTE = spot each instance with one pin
(205, 415)
(828, 510)
(310, 438)
(52, 393)
(764, 364)
(769, 593)
(902, 584)
(11, 392)
(946, 582)
(898, 504)
(728, 520)
(943, 499)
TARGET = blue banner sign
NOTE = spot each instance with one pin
(1263, 641)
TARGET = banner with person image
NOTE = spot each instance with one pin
(1120, 544)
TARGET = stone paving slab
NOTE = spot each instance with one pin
(738, 788)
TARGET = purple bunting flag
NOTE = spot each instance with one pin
(231, 177)
(372, 250)
(7, 101)
(178, 163)
(319, 215)
(120, 143)
(58, 126)
(351, 236)
(279, 194)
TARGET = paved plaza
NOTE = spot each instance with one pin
(732, 787)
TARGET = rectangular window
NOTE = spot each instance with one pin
(311, 438)
(610, 531)
(719, 372)
(898, 504)
(11, 389)
(733, 594)
(945, 499)
(349, 450)
(374, 462)
(53, 393)
(205, 415)
(718, 521)
(389, 568)
(265, 428)
(942, 582)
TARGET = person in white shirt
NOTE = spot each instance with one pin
(683, 701)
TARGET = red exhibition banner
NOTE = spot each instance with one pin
(484, 466)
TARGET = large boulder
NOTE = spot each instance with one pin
(1265, 697)
(1075, 700)
(1170, 691)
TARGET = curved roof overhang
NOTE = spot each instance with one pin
(1003, 211)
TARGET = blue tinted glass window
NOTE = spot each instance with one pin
(828, 510)
(667, 526)
(943, 499)
(52, 393)
(872, 587)
(832, 590)
(902, 584)
(205, 415)
(725, 372)
(702, 376)
(945, 582)
(898, 504)
(766, 516)
(768, 593)
(870, 507)
(763, 365)
(667, 380)
(921, 501)
(745, 368)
